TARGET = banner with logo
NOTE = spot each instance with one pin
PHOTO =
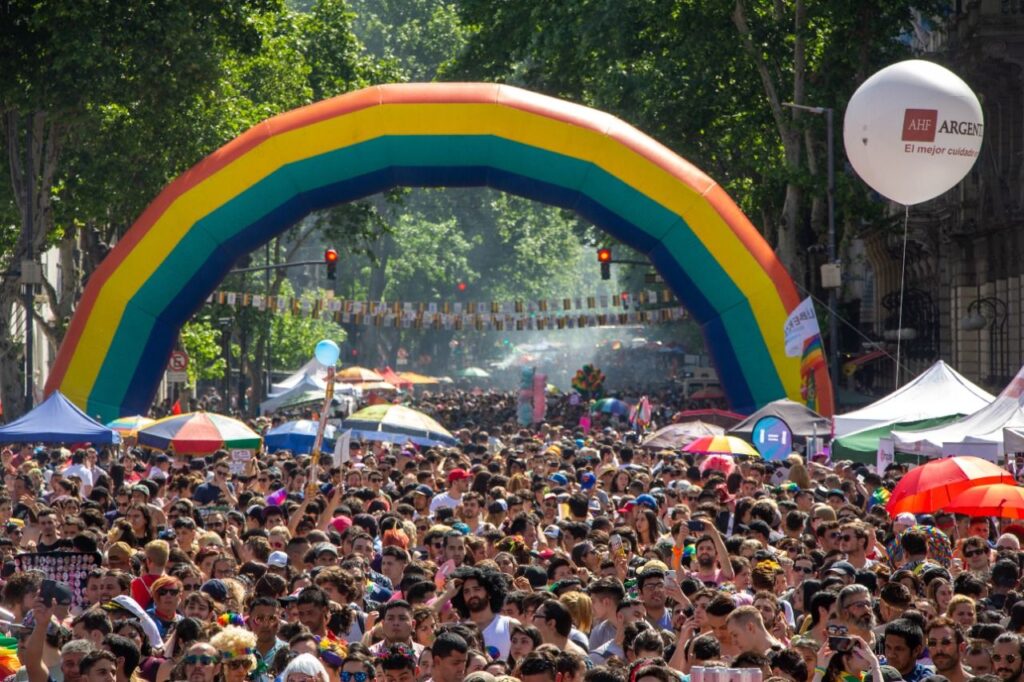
(801, 325)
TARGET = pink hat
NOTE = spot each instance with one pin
(341, 523)
(723, 463)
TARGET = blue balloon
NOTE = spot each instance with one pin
(327, 352)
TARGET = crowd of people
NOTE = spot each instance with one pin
(539, 554)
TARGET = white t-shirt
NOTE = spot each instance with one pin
(498, 636)
(442, 501)
(82, 472)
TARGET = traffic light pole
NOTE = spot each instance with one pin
(278, 266)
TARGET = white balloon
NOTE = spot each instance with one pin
(913, 130)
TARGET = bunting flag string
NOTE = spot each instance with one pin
(551, 314)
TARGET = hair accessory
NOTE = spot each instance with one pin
(397, 651)
(332, 652)
(238, 653)
(230, 618)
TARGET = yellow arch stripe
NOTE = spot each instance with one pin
(431, 119)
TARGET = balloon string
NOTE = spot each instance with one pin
(903, 274)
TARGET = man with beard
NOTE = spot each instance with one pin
(946, 645)
(479, 598)
(202, 663)
(1007, 656)
(855, 612)
(713, 565)
(903, 642)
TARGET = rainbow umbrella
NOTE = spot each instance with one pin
(610, 406)
(396, 424)
(721, 445)
(199, 433)
(128, 426)
(932, 486)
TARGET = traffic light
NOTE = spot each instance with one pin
(604, 257)
(331, 260)
(461, 286)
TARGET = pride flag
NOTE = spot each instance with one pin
(813, 355)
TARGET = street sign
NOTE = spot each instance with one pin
(177, 366)
(178, 361)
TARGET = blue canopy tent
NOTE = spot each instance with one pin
(297, 436)
(57, 420)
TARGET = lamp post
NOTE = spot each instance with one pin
(976, 319)
(835, 277)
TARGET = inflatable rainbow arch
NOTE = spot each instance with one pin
(436, 134)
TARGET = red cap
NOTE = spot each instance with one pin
(457, 475)
(626, 508)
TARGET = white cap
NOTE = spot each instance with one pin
(278, 559)
(906, 518)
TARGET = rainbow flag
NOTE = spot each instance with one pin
(813, 355)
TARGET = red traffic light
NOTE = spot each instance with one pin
(330, 256)
(461, 286)
(604, 255)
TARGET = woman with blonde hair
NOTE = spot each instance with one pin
(581, 608)
(962, 609)
(237, 647)
(798, 472)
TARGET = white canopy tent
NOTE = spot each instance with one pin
(1013, 439)
(312, 369)
(939, 391)
(980, 433)
(305, 385)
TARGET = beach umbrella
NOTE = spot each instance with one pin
(1001, 500)
(199, 433)
(417, 379)
(128, 426)
(297, 436)
(474, 373)
(930, 487)
(610, 406)
(679, 435)
(356, 375)
(722, 445)
(397, 424)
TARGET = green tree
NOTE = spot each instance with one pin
(708, 78)
(202, 342)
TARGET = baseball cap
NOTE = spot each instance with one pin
(906, 518)
(626, 508)
(647, 501)
(458, 475)
(277, 559)
(559, 478)
(423, 490)
(844, 567)
(553, 531)
(326, 547)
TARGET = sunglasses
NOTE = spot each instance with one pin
(945, 641)
(974, 553)
(192, 587)
(237, 663)
(354, 677)
(166, 592)
(804, 569)
(999, 658)
(846, 538)
(201, 660)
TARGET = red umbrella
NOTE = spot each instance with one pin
(931, 487)
(1001, 500)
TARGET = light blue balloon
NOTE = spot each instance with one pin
(327, 352)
